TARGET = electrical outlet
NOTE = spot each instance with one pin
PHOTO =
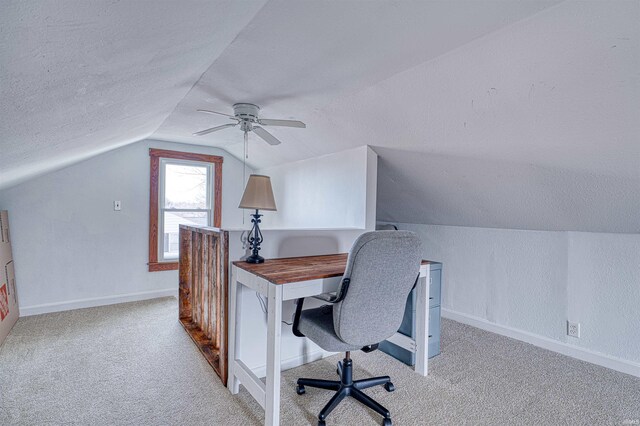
(573, 329)
(117, 206)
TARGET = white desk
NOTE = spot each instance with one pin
(293, 278)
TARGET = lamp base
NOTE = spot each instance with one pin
(255, 239)
(254, 258)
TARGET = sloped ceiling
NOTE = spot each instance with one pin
(82, 77)
(300, 59)
(484, 113)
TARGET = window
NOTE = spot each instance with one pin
(186, 188)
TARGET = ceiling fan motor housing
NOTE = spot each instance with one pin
(246, 112)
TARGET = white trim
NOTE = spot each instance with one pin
(274, 343)
(162, 173)
(251, 382)
(422, 321)
(296, 361)
(95, 301)
(598, 358)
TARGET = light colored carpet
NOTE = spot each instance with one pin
(132, 364)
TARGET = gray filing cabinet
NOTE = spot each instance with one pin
(408, 326)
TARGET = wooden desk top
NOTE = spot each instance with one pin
(294, 269)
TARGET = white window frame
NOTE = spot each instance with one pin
(161, 199)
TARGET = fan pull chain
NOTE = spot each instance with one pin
(244, 166)
(246, 145)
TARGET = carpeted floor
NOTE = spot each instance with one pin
(132, 364)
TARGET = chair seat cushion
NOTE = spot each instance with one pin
(317, 325)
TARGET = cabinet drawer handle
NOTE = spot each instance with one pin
(431, 298)
(430, 336)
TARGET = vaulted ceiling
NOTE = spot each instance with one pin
(484, 113)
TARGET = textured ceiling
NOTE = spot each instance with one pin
(82, 77)
(298, 58)
(533, 126)
(485, 113)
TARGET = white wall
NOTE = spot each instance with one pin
(532, 282)
(604, 292)
(336, 192)
(329, 192)
(71, 248)
(334, 196)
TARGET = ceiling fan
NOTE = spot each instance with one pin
(246, 116)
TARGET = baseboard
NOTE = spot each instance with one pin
(293, 362)
(46, 308)
(598, 358)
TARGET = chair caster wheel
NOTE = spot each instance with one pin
(300, 389)
(322, 423)
(387, 422)
(389, 388)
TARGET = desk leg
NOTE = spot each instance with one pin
(422, 325)
(274, 332)
(235, 303)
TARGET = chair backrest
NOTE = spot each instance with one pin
(382, 268)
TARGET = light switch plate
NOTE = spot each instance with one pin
(117, 206)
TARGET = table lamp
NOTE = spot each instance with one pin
(257, 195)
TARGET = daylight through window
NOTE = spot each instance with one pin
(185, 199)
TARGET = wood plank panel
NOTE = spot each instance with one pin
(223, 303)
(184, 278)
(293, 269)
(204, 260)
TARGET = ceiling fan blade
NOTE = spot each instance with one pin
(286, 123)
(216, 112)
(213, 129)
(268, 137)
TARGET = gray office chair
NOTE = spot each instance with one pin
(367, 309)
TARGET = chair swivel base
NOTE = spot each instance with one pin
(346, 386)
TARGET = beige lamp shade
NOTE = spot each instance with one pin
(258, 194)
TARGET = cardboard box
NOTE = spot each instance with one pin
(4, 227)
(9, 312)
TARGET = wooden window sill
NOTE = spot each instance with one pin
(163, 266)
